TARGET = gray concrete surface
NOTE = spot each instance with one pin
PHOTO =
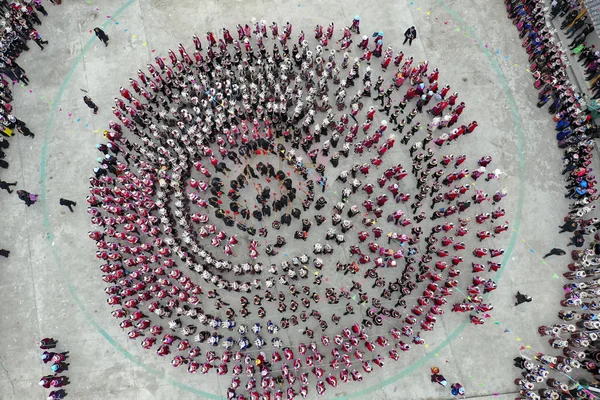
(51, 286)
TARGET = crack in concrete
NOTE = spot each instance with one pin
(7, 376)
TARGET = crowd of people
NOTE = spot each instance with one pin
(20, 20)
(58, 366)
(221, 162)
(548, 376)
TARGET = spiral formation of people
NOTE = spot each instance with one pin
(310, 201)
(232, 178)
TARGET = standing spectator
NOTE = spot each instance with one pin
(410, 35)
(67, 203)
(555, 252)
(37, 38)
(6, 186)
(38, 6)
(20, 74)
(101, 35)
(577, 240)
(90, 104)
(28, 198)
(569, 226)
(24, 130)
(47, 343)
(522, 298)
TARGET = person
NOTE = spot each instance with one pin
(569, 226)
(410, 35)
(37, 38)
(576, 26)
(47, 343)
(39, 7)
(59, 381)
(26, 197)
(522, 298)
(19, 73)
(56, 395)
(6, 186)
(555, 252)
(59, 367)
(45, 381)
(457, 389)
(67, 203)
(90, 104)
(100, 34)
(4, 253)
(24, 130)
(436, 377)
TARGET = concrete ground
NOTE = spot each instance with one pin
(51, 285)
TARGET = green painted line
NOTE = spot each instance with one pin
(406, 371)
